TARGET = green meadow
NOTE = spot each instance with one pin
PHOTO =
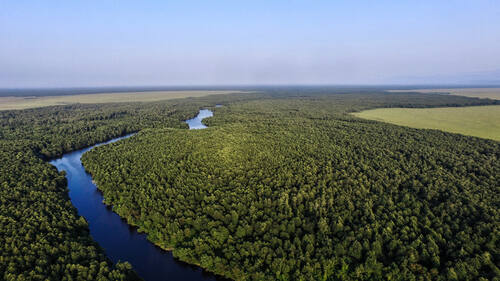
(8, 103)
(478, 121)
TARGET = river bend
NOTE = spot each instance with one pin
(120, 241)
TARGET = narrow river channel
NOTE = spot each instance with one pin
(120, 241)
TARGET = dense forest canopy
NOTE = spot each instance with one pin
(312, 187)
(41, 235)
(295, 188)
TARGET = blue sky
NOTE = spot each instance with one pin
(135, 43)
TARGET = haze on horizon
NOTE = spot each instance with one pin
(130, 43)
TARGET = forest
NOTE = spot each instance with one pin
(42, 237)
(293, 187)
(284, 185)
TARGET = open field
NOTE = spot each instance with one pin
(492, 93)
(479, 121)
(7, 103)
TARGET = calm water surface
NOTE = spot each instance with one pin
(120, 241)
(195, 123)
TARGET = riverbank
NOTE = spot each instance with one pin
(121, 241)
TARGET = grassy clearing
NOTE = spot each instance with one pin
(7, 103)
(478, 121)
(492, 93)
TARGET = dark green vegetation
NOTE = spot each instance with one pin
(42, 237)
(294, 188)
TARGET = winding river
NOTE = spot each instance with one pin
(120, 241)
(195, 123)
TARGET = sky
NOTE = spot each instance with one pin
(162, 43)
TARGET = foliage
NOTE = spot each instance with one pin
(292, 187)
(41, 235)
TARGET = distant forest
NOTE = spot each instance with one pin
(41, 92)
(284, 185)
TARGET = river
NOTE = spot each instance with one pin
(195, 123)
(120, 241)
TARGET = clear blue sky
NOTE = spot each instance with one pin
(125, 43)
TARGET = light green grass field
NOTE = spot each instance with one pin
(7, 103)
(478, 121)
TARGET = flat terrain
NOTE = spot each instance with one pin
(292, 189)
(7, 103)
(282, 185)
(478, 121)
(492, 93)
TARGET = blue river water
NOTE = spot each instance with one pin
(195, 123)
(120, 241)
